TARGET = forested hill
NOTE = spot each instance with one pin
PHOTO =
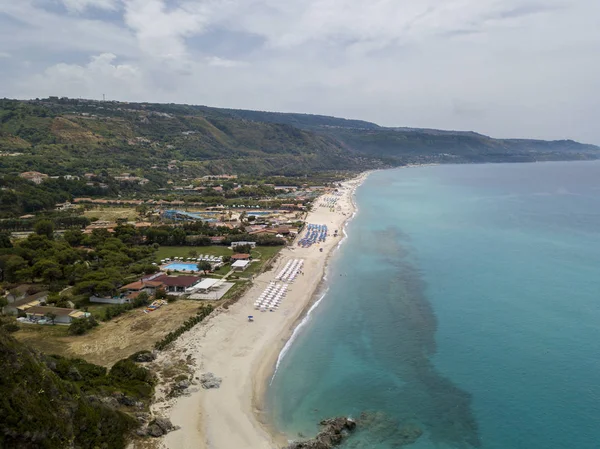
(70, 136)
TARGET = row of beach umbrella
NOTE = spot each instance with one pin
(315, 233)
(290, 270)
(271, 297)
(329, 202)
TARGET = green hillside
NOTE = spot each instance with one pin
(74, 137)
(64, 136)
(51, 402)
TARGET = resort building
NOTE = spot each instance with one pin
(177, 284)
(63, 315)
(25, 303)
(207, 285)
(148, 286)
(240, 265)
(236, 244)
(17, 293)
(236, 257)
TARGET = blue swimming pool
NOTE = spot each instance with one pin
(181, 266)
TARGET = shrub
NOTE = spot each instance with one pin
(127, 370)
(11, 327)
(82, 325)
(203, 312)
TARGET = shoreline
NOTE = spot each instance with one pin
(268, 370)
(245, 354)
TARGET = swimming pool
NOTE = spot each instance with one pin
(180, 266)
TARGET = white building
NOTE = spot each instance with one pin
(240, 265)
(236, 244)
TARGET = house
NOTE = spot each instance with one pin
(64, 206)
(236, 244)
(217, 239)
(34, 176)
(177, 284)
(240, 265)
(17, 293)
(25, 303)
(143, 285)
(283, 230)
(63, 315)
(240, 257)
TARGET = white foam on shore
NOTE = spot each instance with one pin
(306, 319)
(289, 343)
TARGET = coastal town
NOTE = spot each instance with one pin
(118, 275)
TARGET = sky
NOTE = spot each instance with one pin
(506, 68)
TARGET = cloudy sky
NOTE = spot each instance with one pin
(507, 68)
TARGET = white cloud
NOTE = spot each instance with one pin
(502, 67)
(82, 5)
(102, 75)
(215, 61)
(161, 31)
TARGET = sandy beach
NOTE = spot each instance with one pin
(244, 353)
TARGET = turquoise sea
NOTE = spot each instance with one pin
(465, 302)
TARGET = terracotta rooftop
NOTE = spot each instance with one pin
(139, 285)
(178, 281)
(240, 257)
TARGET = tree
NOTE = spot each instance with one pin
(205, 266)
(81, 325)
(141, 300)
(12, 266)
(242, 249)
(44, 227)
(52, 275)
(5, 240)
(142, 210)
(3, 303)
(51, 316)
(193, 253)
(73, 237)
(44, 264)
(104, 288)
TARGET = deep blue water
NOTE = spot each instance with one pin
(465, 303)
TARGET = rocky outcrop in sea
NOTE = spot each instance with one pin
(333, 433)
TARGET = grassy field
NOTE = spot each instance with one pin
(112, 213)
(96, 309)
(112, 340)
